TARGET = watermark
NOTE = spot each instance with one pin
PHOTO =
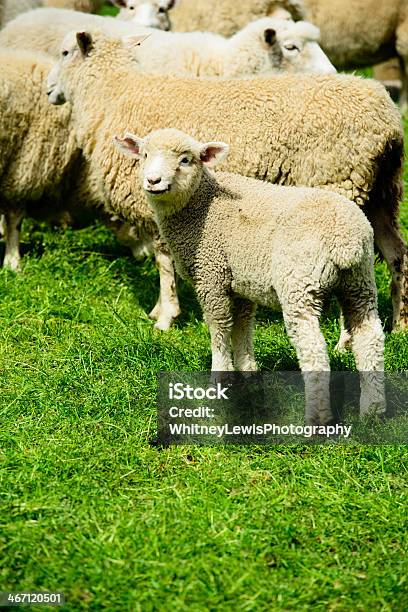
(282, 408)
(10, 599)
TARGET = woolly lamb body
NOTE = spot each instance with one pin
(340, 133)
(244, 242)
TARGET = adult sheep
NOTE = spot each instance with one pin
(226, 16)
(266, 46)
(341, 133)
(43, 174)
(12, 8)
(154, 13)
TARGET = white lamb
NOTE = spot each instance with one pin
(243, 242)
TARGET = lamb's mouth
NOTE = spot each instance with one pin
(158, 191)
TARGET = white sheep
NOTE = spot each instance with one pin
(153, 14)
(243, 242)
(43, 174)
(340, 133)
(265, 46)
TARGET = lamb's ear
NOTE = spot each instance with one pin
(270, 36)
(119, 3)
(167, 4)
(213, 153)
(281, 13)
(130, 145)
(85, 43)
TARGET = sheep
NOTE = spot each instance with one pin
(265, 46)
(223, 17)
(154, 14)
(42, 30)
(37, 149)
(243, 242)
(341, 133)
(43, 174)
(12, 8)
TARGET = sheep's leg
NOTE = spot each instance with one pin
(167, 307)
(306, 336)
(2, 225)
(367, 343)
(242, 335)
(13, 221)
(344, 342)
(218, 309)
(389, 240)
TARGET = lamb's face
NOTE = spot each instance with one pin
(151, 14)
(172, 163)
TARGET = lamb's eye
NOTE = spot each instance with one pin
(65, 53)
(291, 47)
(184, 161)
(131, 8)
(145, 155)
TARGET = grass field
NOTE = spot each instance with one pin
(90, 509)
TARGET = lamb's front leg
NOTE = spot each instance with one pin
(167, 307)
(218, 312)
(242, 335)
(304, 331)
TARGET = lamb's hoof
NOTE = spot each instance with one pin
(373, 409)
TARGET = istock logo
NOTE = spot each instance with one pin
(179, 391)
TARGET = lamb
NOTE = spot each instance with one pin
(12, 8)
(265, 46)
(154, 14)
(341, 133)
(224, 17)
(243, 242)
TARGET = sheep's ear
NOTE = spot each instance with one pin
(270, 36)
(85, 43)
(130, 145)
(281, 13)
(213, 153)
(167, 4)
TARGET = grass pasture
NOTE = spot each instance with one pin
(89, 508)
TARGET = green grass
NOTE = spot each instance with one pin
(89, 508)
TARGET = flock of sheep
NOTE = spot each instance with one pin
(105, 118)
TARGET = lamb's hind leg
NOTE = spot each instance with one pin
(367, 339)
(242, 335)
(13, 221)
(305, 334)
(167, 307)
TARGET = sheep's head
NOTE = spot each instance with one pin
(76, 48)
(151, 13)
(172, 164)
(282, 45)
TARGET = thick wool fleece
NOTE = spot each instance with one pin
(342, 133)
(43, 30)
(37, 148)
(12, 8)
(224, 17)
